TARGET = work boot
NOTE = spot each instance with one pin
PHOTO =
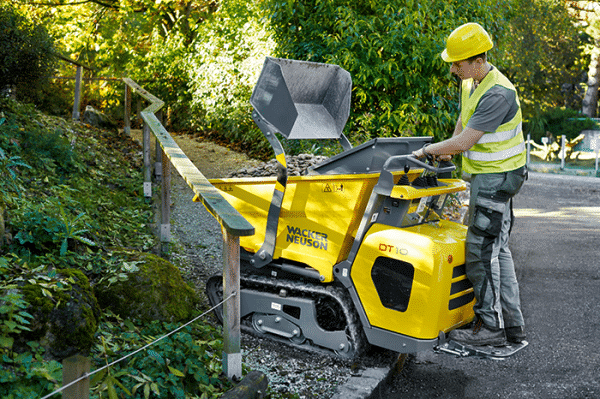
(479, 335)
(516, 335)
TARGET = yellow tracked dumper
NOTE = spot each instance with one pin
(356, 252)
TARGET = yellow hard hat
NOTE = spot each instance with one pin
(466, 41)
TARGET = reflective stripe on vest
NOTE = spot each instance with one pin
(495, 156)
(498, 151)
(501, 136)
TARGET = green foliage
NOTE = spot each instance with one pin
(50, 151)
(223, 68)
(543, 56)
(203, 57)
(98, 201)
(29, 142)
(164, 73)
(94, 173)
(9, 181)
(141, 39)
(556, 122)
(23, 374)
(27, 375)
(26, 53)
(400, 84)
(185, 364)
(47, 227)
(13, 316)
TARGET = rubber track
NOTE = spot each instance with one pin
(355, 332)
(356, 337)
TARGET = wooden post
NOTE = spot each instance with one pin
(73, 368)
(147, 162)
(77, 93)
(165, 204)
(127, 117)
(138, 110)
(232, 357)
(158, 163)
(563, 151)
(595, 145)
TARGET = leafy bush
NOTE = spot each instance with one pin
(48, 150)
(27, 375)
(75, 171)
(26, 52)
(48, 227)
(22, 375)
(9, 180)
(28, 142)
(545, 60)
(164, 73)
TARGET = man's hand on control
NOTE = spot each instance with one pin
(419, 153)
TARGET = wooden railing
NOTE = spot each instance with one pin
(233, 225)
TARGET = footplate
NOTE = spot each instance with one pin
(486, 351)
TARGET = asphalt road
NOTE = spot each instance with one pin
(556, 247)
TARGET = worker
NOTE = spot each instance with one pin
(489, 136)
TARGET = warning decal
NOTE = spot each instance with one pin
(332, 188)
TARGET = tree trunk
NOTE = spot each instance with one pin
(590, 101)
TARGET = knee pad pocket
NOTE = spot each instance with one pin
(487, 219)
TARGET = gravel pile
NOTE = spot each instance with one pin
(297, 165)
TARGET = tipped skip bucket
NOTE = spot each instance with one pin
(303, 100)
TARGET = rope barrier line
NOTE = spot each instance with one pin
(88, 375)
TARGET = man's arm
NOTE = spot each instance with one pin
(458, 127)
(461, 141)
(496, 107)
(457, 130)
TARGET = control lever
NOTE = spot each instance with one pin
(404, 179)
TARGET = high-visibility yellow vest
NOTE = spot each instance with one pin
(500, 151)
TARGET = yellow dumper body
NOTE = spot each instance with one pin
(318, 222)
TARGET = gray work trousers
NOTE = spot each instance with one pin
(489, 262)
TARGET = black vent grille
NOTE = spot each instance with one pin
(393, 281)
(460, 286)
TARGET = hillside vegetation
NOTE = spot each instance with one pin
(73, 213)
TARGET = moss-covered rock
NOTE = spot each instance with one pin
(66, 314)
(154, 292)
